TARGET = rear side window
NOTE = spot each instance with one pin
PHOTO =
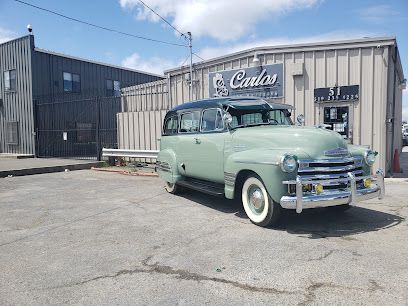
(170, 126)
(190, 122)
(212, 120)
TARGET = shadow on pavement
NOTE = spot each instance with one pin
(325, 222)
(312, 223)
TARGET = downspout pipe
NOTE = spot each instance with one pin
(394, 59)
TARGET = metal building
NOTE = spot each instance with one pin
(354, 87)
(32, 83)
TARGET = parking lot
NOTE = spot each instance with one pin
(89, 238)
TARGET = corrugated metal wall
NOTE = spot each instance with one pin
(17, 105)
(339, 64)
(48, 69)
(146, 97)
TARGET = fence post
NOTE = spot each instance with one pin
(97, 128)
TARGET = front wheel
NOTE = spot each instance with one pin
(258, 205)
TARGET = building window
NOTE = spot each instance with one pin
(112, 88)
(12, 132)
(72, 82)
(10, 80)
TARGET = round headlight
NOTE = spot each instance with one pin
(370, 157)
(288, 163)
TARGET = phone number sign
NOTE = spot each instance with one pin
(337, 93)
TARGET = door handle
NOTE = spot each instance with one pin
(197, 140)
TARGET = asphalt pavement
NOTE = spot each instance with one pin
(95, 238)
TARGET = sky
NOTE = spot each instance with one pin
(218, 27)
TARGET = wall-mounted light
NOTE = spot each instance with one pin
(29, 28)
(256, 61)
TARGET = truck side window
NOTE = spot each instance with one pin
(190, 122)
(212, 120)
(171, 126)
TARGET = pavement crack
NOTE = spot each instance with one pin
(187, 275)
(156, 268)
(325, 255)
(310, 291)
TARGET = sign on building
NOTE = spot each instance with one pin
(263, 81)
(337, 93)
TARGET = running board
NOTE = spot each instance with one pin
(203, 186)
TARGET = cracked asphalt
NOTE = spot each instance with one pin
(94, 238)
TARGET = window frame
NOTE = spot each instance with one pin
(10, 89)
(189, 112)
(73, 90)
(215, 130)
(112, 92)
(164, 125)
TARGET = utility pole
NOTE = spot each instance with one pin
(190, 45)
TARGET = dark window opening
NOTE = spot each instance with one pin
(112, 88)
(10, 83)
(72, 82)
(338, 119)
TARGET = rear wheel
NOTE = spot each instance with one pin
(258, 205)
(172, 188)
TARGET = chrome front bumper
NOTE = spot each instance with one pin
(334, 197)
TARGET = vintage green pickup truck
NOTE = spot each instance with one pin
(248, 148)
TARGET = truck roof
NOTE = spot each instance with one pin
(238, 102)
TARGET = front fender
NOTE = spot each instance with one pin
(266, 164)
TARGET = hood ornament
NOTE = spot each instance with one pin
(337, 152)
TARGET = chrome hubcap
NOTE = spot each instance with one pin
(256, 199)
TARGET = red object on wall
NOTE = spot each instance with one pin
(396, 164)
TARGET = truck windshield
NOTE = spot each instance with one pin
(272, 117)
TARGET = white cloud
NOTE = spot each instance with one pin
(378, 14)
(6, 35)
(211, 52)
(220, 19)
(154, 64)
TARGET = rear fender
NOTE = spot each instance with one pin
(167, 166)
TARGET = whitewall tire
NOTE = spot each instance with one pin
(258, 205)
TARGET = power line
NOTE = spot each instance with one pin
(100, 27)
(162, 18)
(198, 56)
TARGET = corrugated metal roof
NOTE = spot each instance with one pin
(323, 45)
(94, 62)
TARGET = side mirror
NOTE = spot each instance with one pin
(300, 119)
(227, 118)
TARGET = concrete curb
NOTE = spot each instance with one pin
(49, 169)
(126, 172)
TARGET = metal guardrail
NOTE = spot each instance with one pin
(130, 153)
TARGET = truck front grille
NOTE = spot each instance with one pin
(330, 170)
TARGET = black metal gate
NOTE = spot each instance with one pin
(76, 128)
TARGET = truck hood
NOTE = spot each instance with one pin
(311, 141)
